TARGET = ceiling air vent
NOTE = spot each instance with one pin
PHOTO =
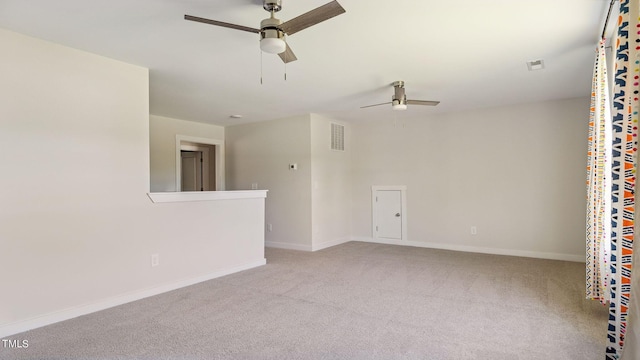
(337, 137)
(534, 65)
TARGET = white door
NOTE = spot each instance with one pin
(388, 212)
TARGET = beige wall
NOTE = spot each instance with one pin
(308, 208)
(162, 138)
(77, 228)
(261, 153)
(330, 185)
(516, 173)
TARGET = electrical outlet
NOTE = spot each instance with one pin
(155, 260)
(254, 186)
(474, 230)
(269, 227)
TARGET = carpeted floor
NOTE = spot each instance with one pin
(353, 301)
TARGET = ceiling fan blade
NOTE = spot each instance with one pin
(368, 106)
(315, 16)
(220, 23)
(422, 102)
(288, 56)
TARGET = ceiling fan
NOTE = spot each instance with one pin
(399, 100)
(272, 31)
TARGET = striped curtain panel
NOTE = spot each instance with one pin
(598, 180)
(626, 99)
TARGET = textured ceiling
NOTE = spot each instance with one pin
(466, 53)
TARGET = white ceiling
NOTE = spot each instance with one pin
(465, 53)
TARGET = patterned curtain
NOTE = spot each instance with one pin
(626, 100)
(598, 179)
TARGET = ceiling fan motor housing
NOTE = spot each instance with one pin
(271, 24)
(399, 97)
(271, 37)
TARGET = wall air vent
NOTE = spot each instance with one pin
(337, 137)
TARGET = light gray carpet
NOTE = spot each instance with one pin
(353, 301)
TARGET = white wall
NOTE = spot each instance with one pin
(516, 173)
(261, 153)
(162, 136)
(76, 226)
(330, 185)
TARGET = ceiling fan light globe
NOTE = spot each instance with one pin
(399, 107)
(273, 45)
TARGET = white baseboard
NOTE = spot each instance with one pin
(328, 244)
(73, 312)
(300, 247)
(475, 249)
(288, 246)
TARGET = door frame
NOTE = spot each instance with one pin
(219, 158)
(374, 216)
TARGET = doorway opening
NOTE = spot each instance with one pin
(198, 174)
(199, 164)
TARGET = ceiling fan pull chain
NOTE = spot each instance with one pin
(260, 67)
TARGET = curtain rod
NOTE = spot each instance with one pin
(606, 21)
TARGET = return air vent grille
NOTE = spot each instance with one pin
(337, 137)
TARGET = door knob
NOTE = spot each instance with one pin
(397, 214)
